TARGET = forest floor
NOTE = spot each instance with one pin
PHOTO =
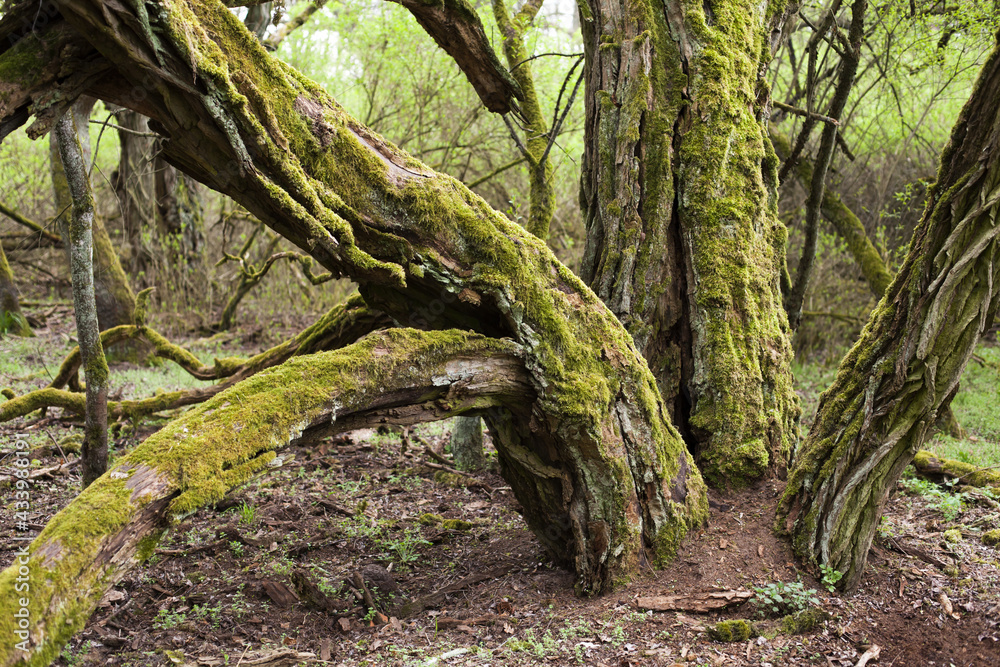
(271, 575)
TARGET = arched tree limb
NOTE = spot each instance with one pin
(905, 368)
(400, 375)
(341, 326)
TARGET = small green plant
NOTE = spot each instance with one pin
(949, 504)
(784, 598)
(236, 548)
(167, 619)
(830, 577)
(248, 514)
(74, 658)
(406, 547)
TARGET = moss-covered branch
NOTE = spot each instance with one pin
(844, 222)
(12, 321)
(403, 375)
(342, 325)
(54, 239)
(938, 469)
(904, 370)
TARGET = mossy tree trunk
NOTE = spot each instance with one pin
(683, 239)
(115, 299)
(12, 321)
(904, 370)
(79, 236)
(604, 478)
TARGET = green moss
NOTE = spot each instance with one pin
(803, 621)
(430, 519)
(457, 524)
(991, 538)
(954, 535)
(736, 630)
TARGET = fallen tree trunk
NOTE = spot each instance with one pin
(938, 469)
(402, 375)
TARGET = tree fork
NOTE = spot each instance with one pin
(905, 368)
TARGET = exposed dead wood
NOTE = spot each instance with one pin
(700, 603)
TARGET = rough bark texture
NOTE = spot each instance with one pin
(79, 237)
(905, 368)
(683, 240)
(402, 376)
(115, 300)
(12, 321)
(604, 478)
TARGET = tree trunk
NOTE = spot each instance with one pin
(94, 453)
(604, 478)
(683, 239)
(115, 300)
(180, 219)
(133, 184)
(905, 368)
(467, 444)
(12, 321)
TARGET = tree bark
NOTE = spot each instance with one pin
(115, 300)
(683, 240)
(467, 444)
(905, 368)
(603, 476)
(94, 452)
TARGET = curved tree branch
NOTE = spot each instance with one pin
(402, 375)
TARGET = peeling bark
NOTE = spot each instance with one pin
(905, 368)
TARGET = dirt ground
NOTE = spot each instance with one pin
(357, 551)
